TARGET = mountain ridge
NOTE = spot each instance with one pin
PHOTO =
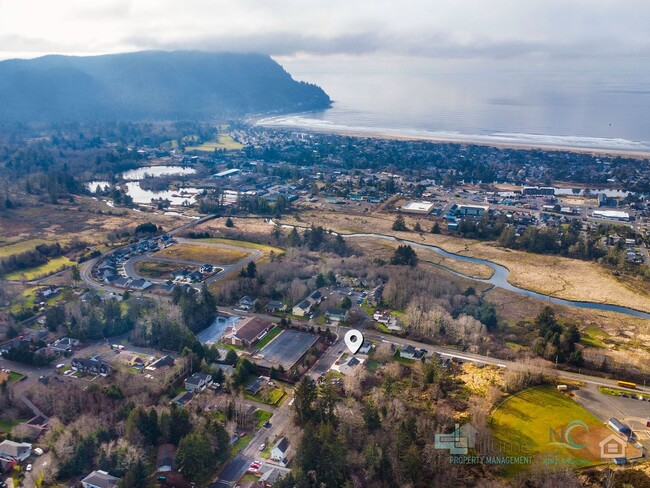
(151, 85)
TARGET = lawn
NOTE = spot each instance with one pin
(273, 396)
(241, 443)
(272, 334)
(526, 423)
(400, 359)
(156, 269)
(261, 417)
(13, 377)
(52, 266)
(224, 141)
(203, 254)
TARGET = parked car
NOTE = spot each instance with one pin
(38, 451)
(262, 447)
(28, 468)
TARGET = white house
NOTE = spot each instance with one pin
(279, 451)
(15, 451)
(198, 382)
(100, 479)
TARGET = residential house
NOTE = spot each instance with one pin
(15, 451)
(163, 361)
(374, 297)
(247, 331)
(255, 387)
(247, 303)
(409, 352)
(347, 365)
(182, 398)
(275, 306)
(165, 458)
(270, 477)
(279, 451)
(302, 309)
(336, 314)
(365, 347)
(65, 344)
(206, 268)
(140, 284)
(198, 382)
(100, 479)
(95, 367)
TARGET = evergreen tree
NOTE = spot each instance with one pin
(399, 224)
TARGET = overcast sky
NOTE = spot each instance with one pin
(461, 29)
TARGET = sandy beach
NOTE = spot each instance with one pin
(463, 139)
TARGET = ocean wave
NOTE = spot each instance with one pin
(513, 138)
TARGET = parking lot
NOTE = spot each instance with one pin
(631, 411)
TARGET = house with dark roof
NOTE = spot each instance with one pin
(255, 386)
(140, 284)
(96, 367)
(302, 309)
(182, 398)
(165, 458)
(336, 315)
(275, 306)
(198, 382)
(100, 479)
(247, 331)
(410, 352)
(163, 361)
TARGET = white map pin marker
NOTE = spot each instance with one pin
(354, 340)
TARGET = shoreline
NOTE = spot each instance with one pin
(389, 134)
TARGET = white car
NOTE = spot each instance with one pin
(262, 447)
(38, 451)
(28, 468)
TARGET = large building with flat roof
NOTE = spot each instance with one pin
(612, 215)
(418, 207)
(473, 210)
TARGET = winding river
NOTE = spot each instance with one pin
(499, 276)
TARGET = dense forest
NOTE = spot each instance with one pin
(150, 85)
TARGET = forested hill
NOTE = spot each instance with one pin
(150, 85)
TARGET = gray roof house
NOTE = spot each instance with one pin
(15, 451)
(100, 479)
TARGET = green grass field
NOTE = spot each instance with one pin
(224, 141)
(273, 333)
(528, 419)
(18, 247)
(52, 266)
(592, 336)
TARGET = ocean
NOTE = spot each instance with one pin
(539, 103)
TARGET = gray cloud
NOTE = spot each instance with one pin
(446, 29)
